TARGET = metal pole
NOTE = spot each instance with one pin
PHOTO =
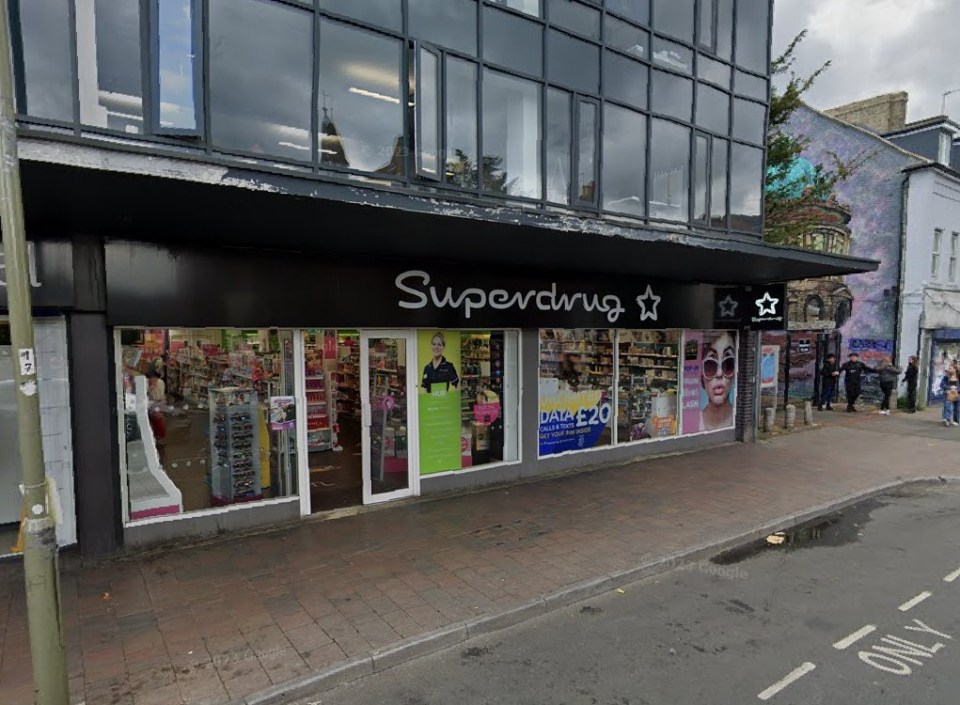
(40, 537)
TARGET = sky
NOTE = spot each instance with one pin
(876, 46)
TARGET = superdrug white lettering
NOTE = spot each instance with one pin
(416, 284)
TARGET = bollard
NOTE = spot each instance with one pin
(769, 417)
(790, 416)
(808, 413)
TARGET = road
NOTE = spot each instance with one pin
(864, 608)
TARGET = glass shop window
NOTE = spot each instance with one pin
(670, 174)
(624, 160)
(45, 61)
(753, 32)
(177, 66)
(384, 13)
(674, 17)
(511, 135)
(461, 118)
(648, 383)
(447, 23)
(746, 188)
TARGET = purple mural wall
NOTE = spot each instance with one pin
(873, 193)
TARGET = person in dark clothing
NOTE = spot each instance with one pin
(853, 371)
(888, 373)
(828, 383)
(910, 377)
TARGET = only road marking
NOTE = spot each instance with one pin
(798, 672)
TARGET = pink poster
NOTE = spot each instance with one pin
(690, 419)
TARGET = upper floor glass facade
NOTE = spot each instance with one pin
(648, 109)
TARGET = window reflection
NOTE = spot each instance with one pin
(626, 37)
(47, 62)
(752, 34)
(748, 120)
(705, 36)
(725, 29)
(672, 95)
(751, 86)
(511, 135)
(674, 17)
(512, 42)
(361, 114)
(701, 177)
(625, 80)
(575, 17)
(624, 160)
(718, 183)
(713, 71)
(636, 10)
(176, 63)
(260, 77)
(573, 62)
(449, 23)
(673, 56)
(108, 65)
(746, 180)
(713, 109)
(386, 13)
(669, 176)
(428, 112)
(461, 104)
(587, 152)
(531, 7)
(559, 140)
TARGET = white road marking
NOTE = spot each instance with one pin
(798, 672)
(913, 602)
(950, 577)
(855, 637)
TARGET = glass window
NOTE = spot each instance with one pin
(669, 171)
(252, 42)
(935, 260)
(718, 183)
(672, 95)
(177, 65)
(746, 188)
(954, 253)
(648, 381)
(361, 113)
(673, 56)
(108, 65)
(751, 86)
(471, 421)
(636, 10)
(725, 29)
(573, 62)
(386, 13)
(576, 389)
(200, 429)
(511, 135)
(559, 141)
(461, 113)
(713, 109)
(674, 17)
(752, 35)
(575, 17)
(625, 80)
(428, 114)
(705, 35)
(587, 153)
(47, 59)
(449, 23)
(512, 41)
(749, 120)
(626, 37)
(713, 71)
(531, 7)
(701, 177)
(624, 160)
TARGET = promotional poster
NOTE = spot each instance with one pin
(709, 380)
(438, 358)
(572, 420)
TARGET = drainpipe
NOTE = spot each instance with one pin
(904, 201)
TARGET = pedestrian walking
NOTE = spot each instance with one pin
(950, 386)
(888, 373)
(910, 377)
(828, 383)
(853, 371)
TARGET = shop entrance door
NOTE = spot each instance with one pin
(387, 392)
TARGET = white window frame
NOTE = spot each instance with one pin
(935, 257)
(954, 252)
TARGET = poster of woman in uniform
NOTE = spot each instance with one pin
(438, 354)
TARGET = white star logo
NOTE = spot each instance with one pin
(728, 307)
(642, 300)
(764, 301)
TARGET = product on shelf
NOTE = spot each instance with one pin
(234, 446)
(320, 393)
(647, 387)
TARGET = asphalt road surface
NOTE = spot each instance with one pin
(862, 609)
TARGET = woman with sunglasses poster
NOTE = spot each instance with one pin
(718, 379)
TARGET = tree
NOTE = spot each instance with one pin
(787, 196)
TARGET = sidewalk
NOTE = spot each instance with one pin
(219, 621)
